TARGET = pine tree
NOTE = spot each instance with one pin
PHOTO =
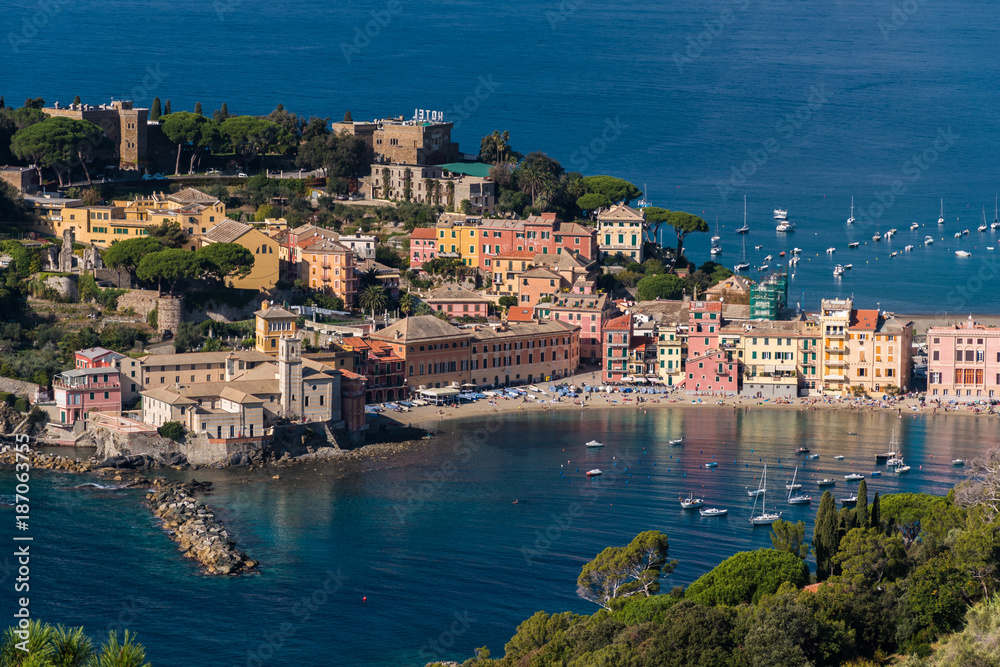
(76, 100)
(225, 111)
(861, 509)
(825, 537)
(347, 117)
(166, 108)
(156, 111)
(197, 109)
(875, 515)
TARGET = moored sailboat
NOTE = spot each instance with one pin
(765, 517)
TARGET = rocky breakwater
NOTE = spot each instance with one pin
(192, 525)
(38, 460)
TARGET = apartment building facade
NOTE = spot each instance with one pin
(621, 230)
(963, 362)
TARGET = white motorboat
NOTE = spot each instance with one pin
(765, 517)
(675, 442)
(958, 235)
(958, 462)
(827, 482)
(752, 492)
(853, 477)
(796, 251)
(908, 248)
(838, 270)
(893, 254)
(715, 250)
(831, 250)
(848, 267)
(793, 261)
(594, 473)
(595, 443)
(902, 470)
(850, 220)
(965, 232)
(691, 502)
(839, 457)
(853, 244)
(768, 258)
(713, 511)
(963, 253)
(914, 225)
(781, 217)
(928, 240)
(849, 500)
(757, 247)
(889, 234)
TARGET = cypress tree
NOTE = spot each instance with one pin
(156, 111)
(166, 108)
(197, 109)
(825, 537)
(875, 515)
(3, 105)
(347, 117)
(861, 509)
(76, 100)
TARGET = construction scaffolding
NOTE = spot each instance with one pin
(769, 296)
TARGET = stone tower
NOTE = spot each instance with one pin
(290, 375)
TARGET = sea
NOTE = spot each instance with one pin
(794, 105)
(436, 552)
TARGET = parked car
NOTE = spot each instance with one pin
(342, 197)
(147, 177)
(160, 177)
(242, 175)
(213, 172)
(356, 196)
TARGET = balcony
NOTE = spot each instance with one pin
(62, 384)
(835, 334)
(835, 362)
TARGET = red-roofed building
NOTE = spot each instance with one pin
(382, 368)
(423, 246)
(617, 335)
(520, 314)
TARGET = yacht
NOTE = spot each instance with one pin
(907, 248)
(849, 500)
(781, 217)
(850, 220)
(831, 250)
(928, 240)
(713, 511)
(848, 267)
(983, 227)
(796, 498)
(854, 244)
(996, 217)
(691, 502)
(715, 250)
(768, 258)
(914, 225)
(765, 517)
(744, 264)
(893, 254)
(827, 482)
(796, 251)
(745, 228)
(853, 477)
(941, 217)
(963, 253)
(838, 270)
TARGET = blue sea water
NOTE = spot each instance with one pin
(434, 540)
(799, 105)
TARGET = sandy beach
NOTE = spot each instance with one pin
(437, 417)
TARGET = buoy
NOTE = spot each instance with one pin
(364, 599)
(515, 502)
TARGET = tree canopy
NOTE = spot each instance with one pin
(169, 234)
(127, 254)
(170, 265)
(251, 137)
(221, 261)
(57, 141)
(748, 576)
(662, 286)
(615, 189)
(619, 572)
(190, 130)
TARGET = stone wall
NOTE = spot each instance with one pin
(142, 301)
(121, 279)
(169, 311)
(65, 286)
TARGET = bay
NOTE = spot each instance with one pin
(434, 540)
(798, 105)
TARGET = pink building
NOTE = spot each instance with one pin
(97, 357)
(457, 301)
(617, 341)
(711, 371)
(590, 312)
(423, 246)
(704, 322)
(85, 390)
(541, 234)
(963, 362)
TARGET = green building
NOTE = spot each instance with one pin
(769, 296)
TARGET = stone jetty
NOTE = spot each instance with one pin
(38, 460)
(192, 525)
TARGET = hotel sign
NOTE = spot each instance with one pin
(428, 115)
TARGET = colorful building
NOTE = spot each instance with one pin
(327, 266)
(423, 246)
(963, 362)
(617, 336)
(381, 366)
(272, 324)
(671, 353)
(266, 263)
(620, 231)
(457, 302)
(81, 391)
(590, 312)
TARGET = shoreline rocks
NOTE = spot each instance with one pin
(193, 526)
(38, 460)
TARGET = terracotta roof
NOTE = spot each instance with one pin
(623, 323)
(95, 352)
(866, 320)
(621, 212)
(275, 313)
(516, 254)
(520, 314)
(227, 231)
(191, 195)
(237, 396)
(201, 358)
(167, 396)
(423, 233)
(541, 272)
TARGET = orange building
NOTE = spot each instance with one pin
(328, 267)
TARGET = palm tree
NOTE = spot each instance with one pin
(532, 179)
(407, 303)
(373, 298)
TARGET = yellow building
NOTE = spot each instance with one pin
(781, 359)
(273, 324)
(458, 241)
(195, 211)
(834, 321)
(670, 354)
(265, 250)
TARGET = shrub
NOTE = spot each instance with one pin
(173, 430)
(21, 404)
(747, 577)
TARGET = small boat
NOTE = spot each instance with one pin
(838, 270)
(813, 457)
(876, 473)
(781, 216)
(996, 215)
(594, 473)
(781, 254)
(796, 251)
(745, 228)
(849, 500)
(802, 450)
(958, 462)
(907, 248)
(715, 250)
(941, 216)
(595, 443)
(928, 240)
(711, 465)
(691, 502)
(958, 235)
(965, 232)
(793, 261)
(893, 254)
(827, 482)
(839, 457)
(713, 511)
(831, 250)
(675, 442)
(752, 493)
(765, 517)
(914, 225)
(963, 253)
(768, 258)
(796, 498)
(793, 485)
(850, 220)
(757, 247)
(983, 227)
(848, 267)
(883, 457)
(763, 267)
(854, 244)
(901, 470)
(889, 234)
(894, 461)
(877, 237)
(853, 477)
